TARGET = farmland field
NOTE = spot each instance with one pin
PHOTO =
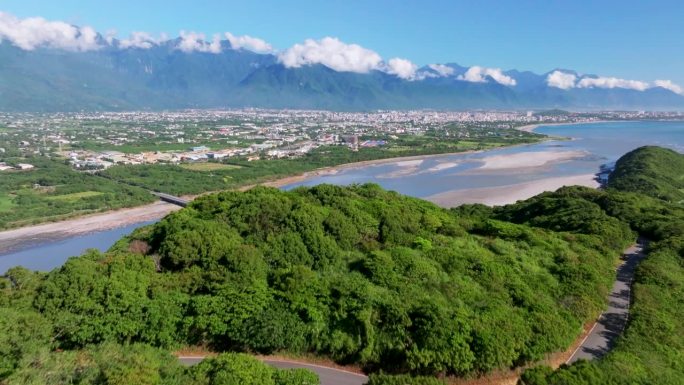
(209, 166)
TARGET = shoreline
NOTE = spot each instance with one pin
(102, 221)
(22, 237)
(284, 181)
(15, 239)
(280, 182)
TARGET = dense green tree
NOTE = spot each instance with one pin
(22, 332)
(650, 350)
(363, 276)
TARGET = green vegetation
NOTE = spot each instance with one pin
(142, 145)
(53, 191)
(386, 379)
(75, 196)
(208, 166)
(6, 203)
(111, 364)
(652, 171)
(359, 275)
(651, 349)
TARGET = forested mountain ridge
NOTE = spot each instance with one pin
(163, 76)
(359, 275)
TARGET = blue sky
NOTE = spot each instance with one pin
(630, 39)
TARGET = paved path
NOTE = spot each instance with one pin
(328, 376)
(612, 322)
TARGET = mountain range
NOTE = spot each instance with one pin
(162, 76)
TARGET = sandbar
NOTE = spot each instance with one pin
(502, 195)
(12, 239)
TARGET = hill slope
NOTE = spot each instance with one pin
(651, 349)
(357, 274)
(364, 276)
(653, 171)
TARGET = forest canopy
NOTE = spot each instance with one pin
(362, 276)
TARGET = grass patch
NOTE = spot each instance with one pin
(6, 203)
(75, 196)
(208, 166)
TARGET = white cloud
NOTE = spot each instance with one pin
(402, 68)
(332, 53)
(141, 40)
(609, 82)
(669, 85)
(343, 57)
(479, 74)
(562, 80)
(34, 32)
(442, 69)
(249, 43)
(194, 41)
(110, 35)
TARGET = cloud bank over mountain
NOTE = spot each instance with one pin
(144, 70)
(249, 43)
(479, 74)
(567, 80)
(34, 32)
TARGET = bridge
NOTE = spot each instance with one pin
(171, 198)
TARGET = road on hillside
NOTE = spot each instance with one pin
(328, 376)
(613, 321)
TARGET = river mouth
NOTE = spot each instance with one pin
(460, 175)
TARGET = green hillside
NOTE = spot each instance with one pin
(358, 275)
(653, 171)
(651, 350)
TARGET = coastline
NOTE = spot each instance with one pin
(13, 239)
(280, 182)
(16, 238)
(107, 220)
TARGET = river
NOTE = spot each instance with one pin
(592, 145)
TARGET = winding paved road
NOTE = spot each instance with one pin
(613, 321)
(328, 376)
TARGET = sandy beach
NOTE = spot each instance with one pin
(11, 239)
(502, 195)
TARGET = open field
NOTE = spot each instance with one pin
(75, 196)
(5, 203)
(209, 166)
